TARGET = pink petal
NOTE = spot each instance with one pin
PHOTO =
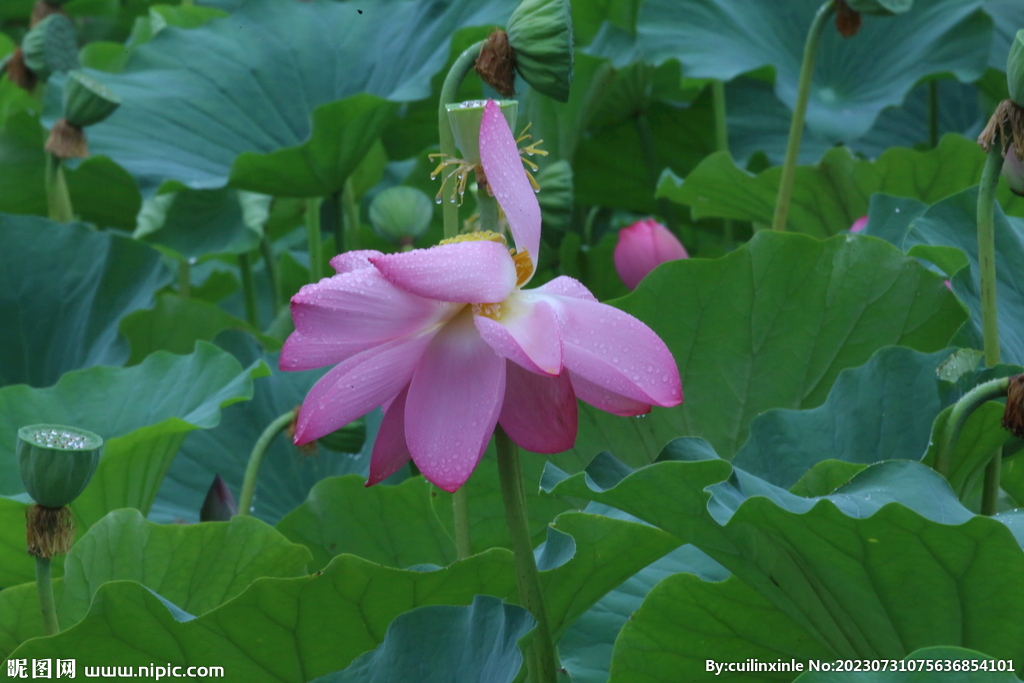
(642, 247)
(526, 333)
(539, 412)
(566, 286)
(390, 451)
(859, 224)
(357, 386)
(353, 260)
(507, 179)
(454, 401)
(466, 272)
(608, 401)
(617, 352)
(345, 314)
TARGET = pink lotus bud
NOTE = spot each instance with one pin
(859, 224)
(1013, 171)
(643, 246)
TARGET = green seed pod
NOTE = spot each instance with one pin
(56, 462)
(86, 100)
(51, 47)
(883, 7)
(351, 437)
(540, 33)
(465, 118)
(555, 196)
(1015, 69)
(401, 214)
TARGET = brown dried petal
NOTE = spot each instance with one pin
(847, 19)
(1013, 417)
(67, 141)
(497, 63)
(19, 73)
(49, 531)
(43, 9)
(1008, 122)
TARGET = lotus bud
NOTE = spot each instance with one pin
(351, 437)
(1015, 69)
(50, 47)
(555, 198)
(219, 505)
(540, 34)
(859, 224)
(465, 118)
(642, 247)
(401, 214)
(1013, 171)
(881, 7)
(1013, 416)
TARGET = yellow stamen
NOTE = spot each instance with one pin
(461, 173)
(478, 236)
(524, 266)
(492, 311)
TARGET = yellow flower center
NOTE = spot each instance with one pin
(476, 236)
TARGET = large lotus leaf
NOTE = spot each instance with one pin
(283, 98)
(101, 191)
(929, 667)
(143, 413)
(445, 644)
(287, 473)
(63, 290)
(830, 195)
(196, 567)
(854, 80)
(277, 630)
(770, 325)
(827, 575)
(882, 410)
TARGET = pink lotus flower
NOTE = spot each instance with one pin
(448, 342)
(859, 224)
(642, 247)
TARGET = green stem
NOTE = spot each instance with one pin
(248, 290)
(184, 278)
(933, 113)
(588, 224)
(267, 250)
(989, 319)
(796, 126)
(350, 207)
(527, 577)
(722, 142)
(449, 93)
(44, 586)
(58, 199)
(252, 470)
(488, 206)
(338, 224)
(313, 237)
(460, 506)
(962, 409)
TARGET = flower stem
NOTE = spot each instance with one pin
(796, 126)
(268, 260)
(350, 207)
(488, 206)
(460, 506)
(58, 199)
(184, 278)
(527, 577)
(989, 319)
(449, 92)
(252, 470)
(722, 142)
(44, 586)
(933, 114)
(248, 290)
(962, 409)
(313, 237)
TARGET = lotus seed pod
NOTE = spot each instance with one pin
(1015, 69)
(399, 214)
(87, 101)
(540, 33)
(555, 196)
(465, 118)
(1013, 171)
(51, 47)
(351, 437)
(56, 462)
(882, 7)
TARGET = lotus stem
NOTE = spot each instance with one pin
(58, 199)
(449, 93)
(796, 126)
(267, 250)
(962, 409)
(184, 278)
(313, 237)
(252, 470)
(350, 207)
(542, 650)
(722, 143)
(933, 114)
(248, 290)
(460, 507)
(44, 586)
(488, 206)
(338, 224)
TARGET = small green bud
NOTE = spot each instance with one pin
(400, 214)
(351, 437)
(555, 196)
(883, 7)
(1015, 69)
(50, 47)
(56, 462)
(540, 33)
(465, 118)
(86, 100)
